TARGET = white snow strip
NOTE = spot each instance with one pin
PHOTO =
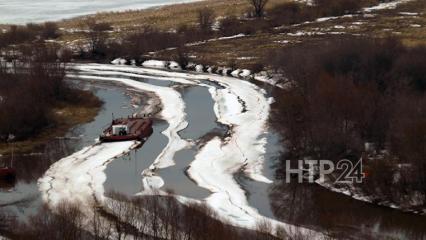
(386, 5)
(233, 107)
(239, 104)
(80, 177)
(216, 39)
(307, 2)
(174, 66)
(217, 162)
(409, 13)
(155, 64)
(324, 19)
(172, 112)
(131, 72)
(232, 37)
(245, 73)
(119, 61)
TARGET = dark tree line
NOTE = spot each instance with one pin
(29, 33)
(349, 92)
(32, 83)
(149, 217)
(28, 86)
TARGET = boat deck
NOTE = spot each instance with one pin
(138, 129)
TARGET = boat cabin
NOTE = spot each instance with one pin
(120, 130)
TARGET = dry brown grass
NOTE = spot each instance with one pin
(167, 17)
(248, 50)
(65, 117)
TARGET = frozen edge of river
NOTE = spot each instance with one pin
(241, 105)
(80, 176)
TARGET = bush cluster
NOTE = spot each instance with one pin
(353, 91)
(28, 87)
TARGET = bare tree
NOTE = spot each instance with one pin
(264, 229)
(65, 222)
(97, 34)
(259, 7)
(206, 18)
(101, 226)
(50, 31)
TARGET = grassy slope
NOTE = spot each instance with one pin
(167, 17)
(246, 51)
(383, 24)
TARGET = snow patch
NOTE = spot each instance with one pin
(80, 177)
(174, 66)
(408, 13)
(386, 5)
(199, 68)
(239, 104)
(155, 64)
(245, 73)
(119, 61)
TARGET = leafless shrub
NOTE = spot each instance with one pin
(264, 229)
(337, 7)
(97, 35)
(288, 13)
(358, 95)
(37, 78)
(181, 57)
(256, 67)
(26, 34)
(101, 228)
(258, 7)
(146, 40)
(50, 31)
(206, 17)
(65, 223)
(230, 26)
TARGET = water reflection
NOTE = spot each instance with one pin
(202, 124)
(258, 192)
(124, 174)
(318, 208)
(344, 217)
(176, 179)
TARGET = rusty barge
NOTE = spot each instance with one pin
(128, 129)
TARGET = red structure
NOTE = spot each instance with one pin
(7, 173)
(127, 129)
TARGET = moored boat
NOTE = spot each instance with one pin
(127, 129)
(7, 173)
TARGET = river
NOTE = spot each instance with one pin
(297, 204)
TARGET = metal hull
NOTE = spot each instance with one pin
(140, 130)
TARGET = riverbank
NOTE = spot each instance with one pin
(64, 116)
(405, 20)
(247, 50)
